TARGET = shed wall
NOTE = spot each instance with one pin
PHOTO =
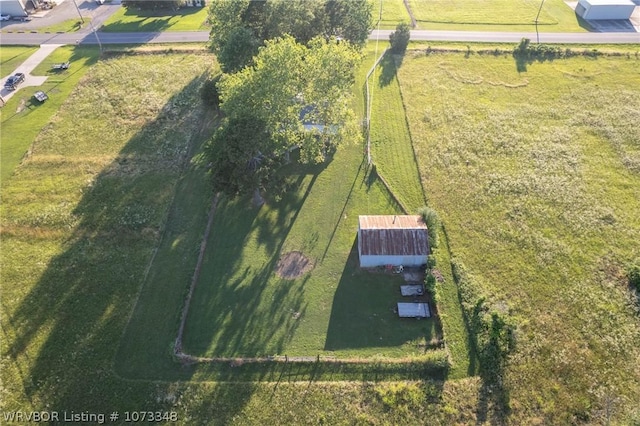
(370, 261)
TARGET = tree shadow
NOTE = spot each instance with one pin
(389, 66)
(67, 327)
(240, 308)
(362, 312)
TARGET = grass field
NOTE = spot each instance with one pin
(536, 177)
(135, 20)
(543, 215)
(80, 219)
(12, 56)
(393, 13)
(496, 15)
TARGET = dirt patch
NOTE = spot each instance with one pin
(292, 265)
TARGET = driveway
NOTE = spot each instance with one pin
(26, 68)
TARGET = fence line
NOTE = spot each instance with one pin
(369, 101)
(177, 349)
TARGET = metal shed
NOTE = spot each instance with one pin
(594, 10)
(392, 240)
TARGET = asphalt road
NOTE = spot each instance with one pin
(87, 37)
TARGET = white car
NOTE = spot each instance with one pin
(5, 17)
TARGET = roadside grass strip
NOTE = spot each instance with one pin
(131, 19)
(535, 175)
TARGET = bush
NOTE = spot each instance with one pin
(633, 274)
(430, 285)
(431, 218)
(209, 92)
(399, 39)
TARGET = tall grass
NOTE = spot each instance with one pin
(533, 175)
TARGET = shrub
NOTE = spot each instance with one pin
(633, 274)
(431, 218)
(209, 92)
(430, 285)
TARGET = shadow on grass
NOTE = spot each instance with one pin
(240, 308)
(68, 326)
(389, 66)
(362, 313)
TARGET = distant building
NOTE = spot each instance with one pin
(392, 240)
(14, 7)
(594, 10)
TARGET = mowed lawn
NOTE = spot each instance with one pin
(130, 19)
(12, 56)
(496, 15)
(537, 178)
(242, 308)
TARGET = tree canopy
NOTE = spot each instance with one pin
(294, 96)
(261, 20)
(399, 39)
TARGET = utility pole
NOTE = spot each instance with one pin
(537, 16)
(78, 9)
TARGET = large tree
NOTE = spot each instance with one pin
(291, 85)
(293, 97)
(349, 20)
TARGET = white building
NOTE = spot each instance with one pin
(13, 7)
(392, 240)
(593, 10)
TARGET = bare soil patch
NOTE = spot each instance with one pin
(292, 265)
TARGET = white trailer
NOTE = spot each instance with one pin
(597, 10)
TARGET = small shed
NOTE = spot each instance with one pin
(392, 240)
(594, 10)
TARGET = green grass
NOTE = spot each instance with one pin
(12, 56)
(80, 219)
(136, 20)
(22, 118)
(393, 13)
(241, 308)
(393, 154)
(496, 15)
(535, 175)
(391, 147)
(68, 26)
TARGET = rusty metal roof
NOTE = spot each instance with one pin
(393, 235)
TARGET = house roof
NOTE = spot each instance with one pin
(393, 235)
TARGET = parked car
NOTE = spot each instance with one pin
(5, 17)
(13, 81)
